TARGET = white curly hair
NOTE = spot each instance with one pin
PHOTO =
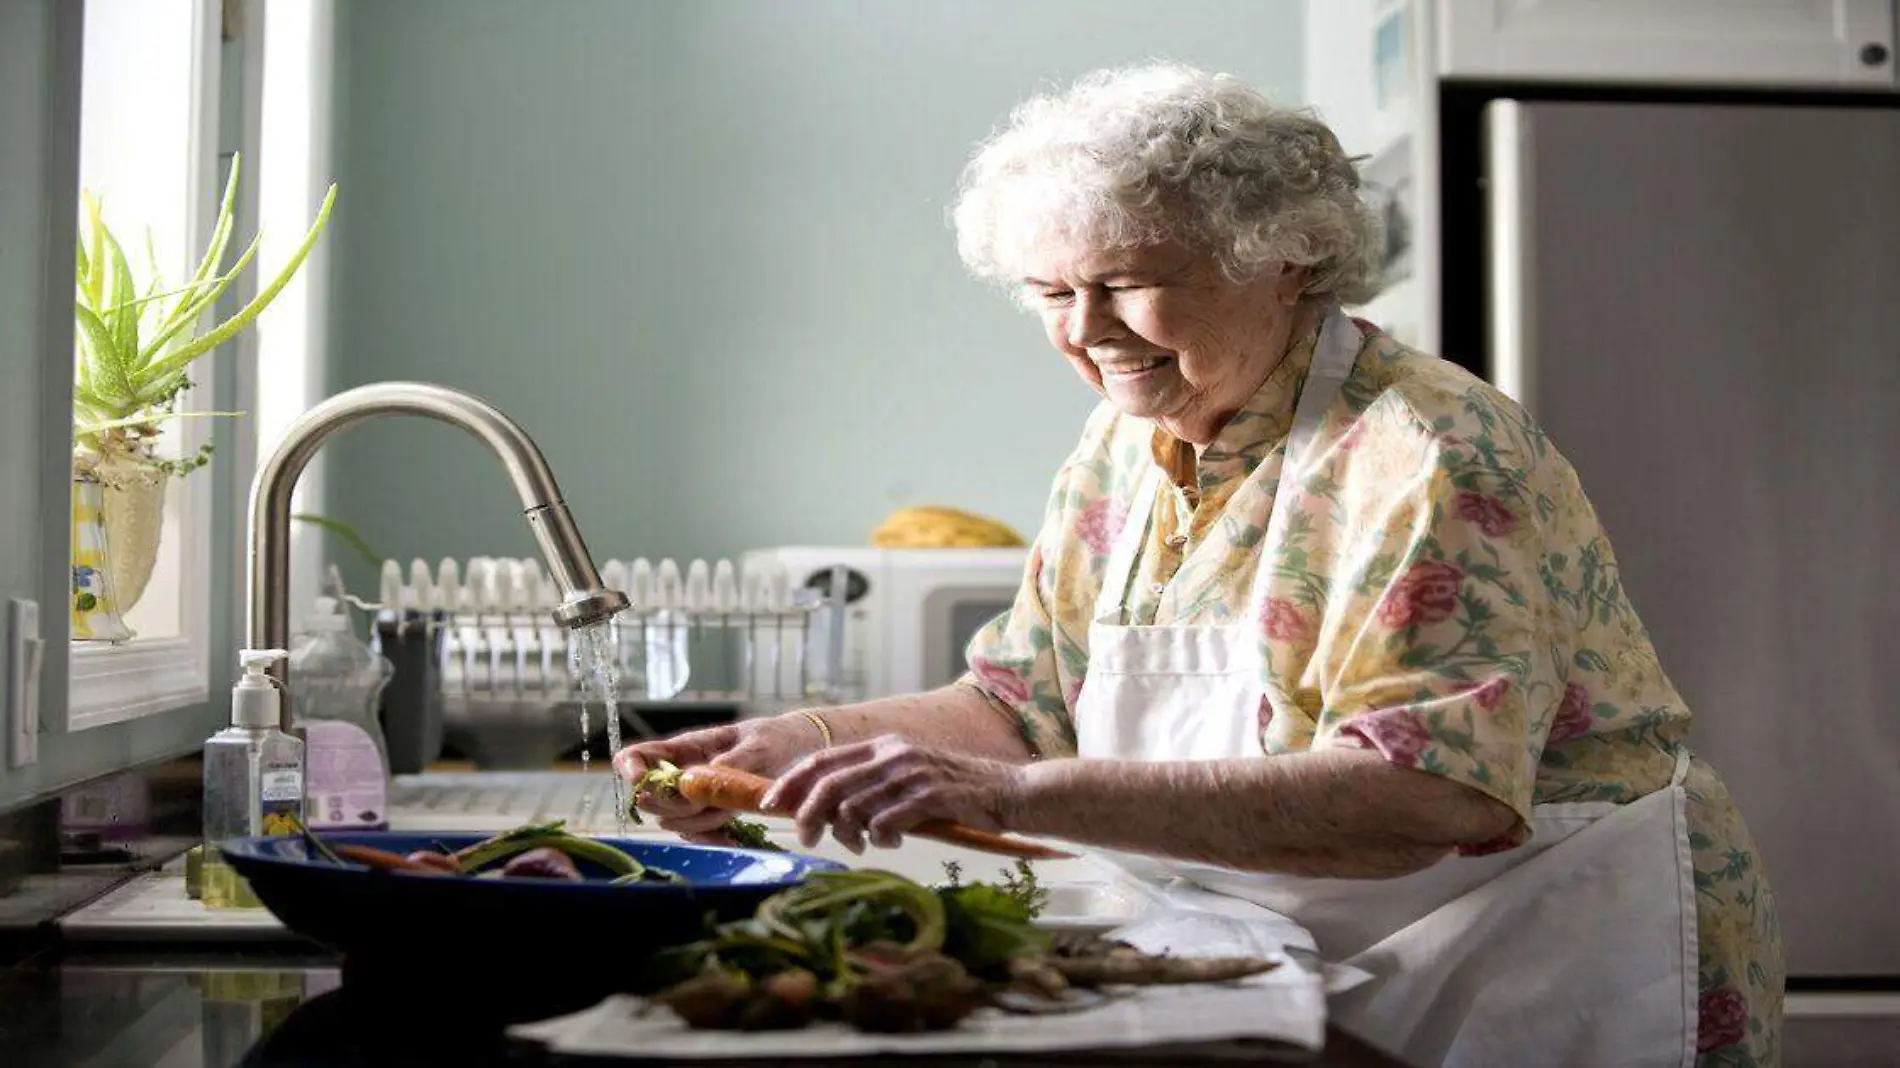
(1142, 155)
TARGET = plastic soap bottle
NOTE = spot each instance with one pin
(253, 779)
(336, 681)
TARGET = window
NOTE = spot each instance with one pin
(294, 108)
(149, 151)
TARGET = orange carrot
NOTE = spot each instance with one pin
(742, 791)
(727, 788)
(382, 860)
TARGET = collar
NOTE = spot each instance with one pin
(1249, 435)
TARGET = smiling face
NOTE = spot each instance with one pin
(1161, 332)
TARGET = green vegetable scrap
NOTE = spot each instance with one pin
(988, 927)
(663, 779)
(750, 834)
(313, 843)
(883, 953)
(551, 835)
(1019, 883)
(491, 851)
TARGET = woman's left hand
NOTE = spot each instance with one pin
(886, 786)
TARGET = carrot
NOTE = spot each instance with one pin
(727, 788)
(383, 860)
(742, 791)
(986, 841)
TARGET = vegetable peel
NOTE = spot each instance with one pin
(883, 953)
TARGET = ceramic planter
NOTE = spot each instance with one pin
(135, 520)
(95, 607)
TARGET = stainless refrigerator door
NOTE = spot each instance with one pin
(1702, 305)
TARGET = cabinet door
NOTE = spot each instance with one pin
(1838, 43)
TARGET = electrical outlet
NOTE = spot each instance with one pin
(26, 651)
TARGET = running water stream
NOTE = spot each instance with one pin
(594, 653)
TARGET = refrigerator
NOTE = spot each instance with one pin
(1699, 298)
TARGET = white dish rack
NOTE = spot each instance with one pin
(708, 634)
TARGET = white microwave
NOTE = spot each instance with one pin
(912, 612)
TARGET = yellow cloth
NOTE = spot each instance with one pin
(934, 527)
(1446, 597)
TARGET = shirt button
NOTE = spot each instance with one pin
(1158, 588)
(1175, 541)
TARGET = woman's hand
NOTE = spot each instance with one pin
(888, 785)
(762, 746)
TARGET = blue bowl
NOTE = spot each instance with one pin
(528, 947)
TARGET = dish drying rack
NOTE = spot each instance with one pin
(481, 661)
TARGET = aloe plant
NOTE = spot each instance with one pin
(136, 344)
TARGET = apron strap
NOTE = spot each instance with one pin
(1333, 358)
(1118, 577)
(1682, 766)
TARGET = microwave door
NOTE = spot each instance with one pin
(951, 617)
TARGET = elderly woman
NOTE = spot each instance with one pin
(1314, 621)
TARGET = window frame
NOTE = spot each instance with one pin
(149, 676)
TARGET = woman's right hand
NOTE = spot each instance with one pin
(762, 746)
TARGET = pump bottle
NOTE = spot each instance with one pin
(253, 779)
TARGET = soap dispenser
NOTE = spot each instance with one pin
(253, 779)
(339, 679)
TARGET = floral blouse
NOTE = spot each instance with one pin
(1445, 596)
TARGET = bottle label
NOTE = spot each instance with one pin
(284, 784)
(280, 799)
(348, 787)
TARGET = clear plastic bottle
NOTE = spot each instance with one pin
(253, 780)
(336, 680)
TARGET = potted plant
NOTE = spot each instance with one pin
(135, 346)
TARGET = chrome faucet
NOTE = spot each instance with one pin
(583, 599)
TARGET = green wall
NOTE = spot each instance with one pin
(700, 251)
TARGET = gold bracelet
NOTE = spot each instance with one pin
(824, 729)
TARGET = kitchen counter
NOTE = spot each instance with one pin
(254, 1008)
(102, 972)
(137, 975)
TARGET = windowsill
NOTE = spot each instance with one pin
(115, 683)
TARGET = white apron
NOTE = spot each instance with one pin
(1577, 948)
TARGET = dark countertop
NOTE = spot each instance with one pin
(132, 1004)
(64, 1003)
(184, 1009)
